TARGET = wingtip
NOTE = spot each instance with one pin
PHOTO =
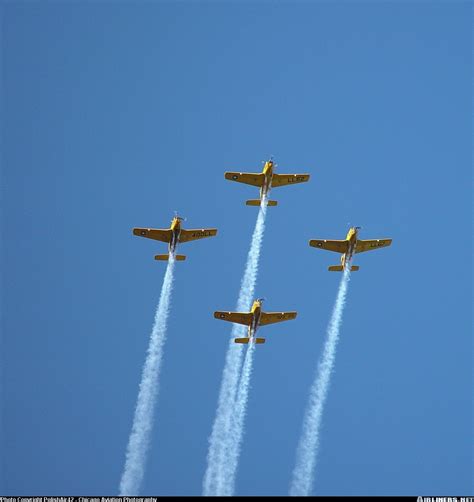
(219, 314)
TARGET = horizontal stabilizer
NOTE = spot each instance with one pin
(166, 257)
(246, 340)
(338, 268)
(257, 202)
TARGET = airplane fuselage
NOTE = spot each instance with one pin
(268, 173)
(256, 312)
(351, 238)
(175, 231)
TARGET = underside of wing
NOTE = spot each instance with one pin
(273, 317)
(199, 233)
(369, 245)
(280, 180)
(158, 234)
(336, 246)
(255, 179)
(237, 317)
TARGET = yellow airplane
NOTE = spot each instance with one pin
(266, 180)
(174, 235)
(348, 247)
(254, 319)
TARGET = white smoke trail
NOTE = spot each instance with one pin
(307, 452)
(139, 440)
(216, 473)
(237, 429)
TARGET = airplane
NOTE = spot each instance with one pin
(254, 319)
(174, 235)
(266, 180)
(351, 245)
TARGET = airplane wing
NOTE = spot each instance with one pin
(337, 246)
(158, 234)
(369, 245)
(255, 179)
(238, 317)
(273, 317)
(280, 180)
(199, 233)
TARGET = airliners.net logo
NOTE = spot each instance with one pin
(445, 499)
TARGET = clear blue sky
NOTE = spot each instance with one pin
(115, 115)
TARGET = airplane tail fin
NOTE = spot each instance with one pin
(246, 340)
(338, 268)
(257, 202)
(166, 257)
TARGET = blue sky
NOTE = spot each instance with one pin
(115, 115)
